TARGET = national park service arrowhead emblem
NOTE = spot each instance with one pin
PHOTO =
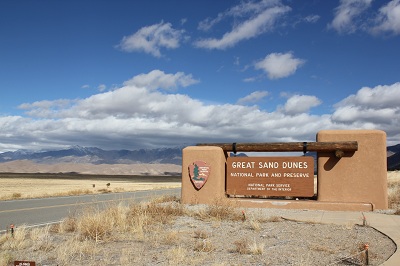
(199, 172)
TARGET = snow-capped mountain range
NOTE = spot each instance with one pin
(92, 155)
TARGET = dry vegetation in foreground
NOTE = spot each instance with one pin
(165, 232)
(394, 191)
(22, 186)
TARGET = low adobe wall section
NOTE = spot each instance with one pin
(355, 182)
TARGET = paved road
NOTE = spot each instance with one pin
(49, 210)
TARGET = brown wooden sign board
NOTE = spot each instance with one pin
(270, 176)
(24, 263)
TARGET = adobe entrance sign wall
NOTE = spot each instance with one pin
(351, 173)
(270, 176)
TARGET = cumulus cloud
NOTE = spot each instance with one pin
(388, 19)
(253, 97)
(372, 108)
(369, 104)
(347, 15)
(135, 116)
(157, 79)
(255, 18)
(278, 65)
(298, 104)
(151, 39)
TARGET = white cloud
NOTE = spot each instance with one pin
(102, 87)
(132, 117)
(353, 15)
(260, 17)
(46, 109)
(278, 65)
(250, 79)
(347, 15)
(375, 105)
(379, 97)
(244, 9)
(388, 19)
(157, 79)
(253, 97)
(312, 18)
(151, 39)
(298, 104)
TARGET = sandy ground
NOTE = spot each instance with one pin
(26, 166)
(42, 185)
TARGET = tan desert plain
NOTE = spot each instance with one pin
(24, 179)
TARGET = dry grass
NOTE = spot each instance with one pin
(255, 225)
(200, 234)
(69, 224)
(256, 248)
(170, 238)
(394, 191)
(221, 209)
(16, 195)
(15, 186)
(18, 241)
(204, 245)
(177, 256)
(6, 258)
(109, 224)
(91, 227)
(242, 246)
(146, 234)
(95, 225)
(83, 238)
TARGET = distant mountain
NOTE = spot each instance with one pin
(78, 154)
(393, 159)
(394, 148)
(92, 155)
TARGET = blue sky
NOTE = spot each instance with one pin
(145, 74)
